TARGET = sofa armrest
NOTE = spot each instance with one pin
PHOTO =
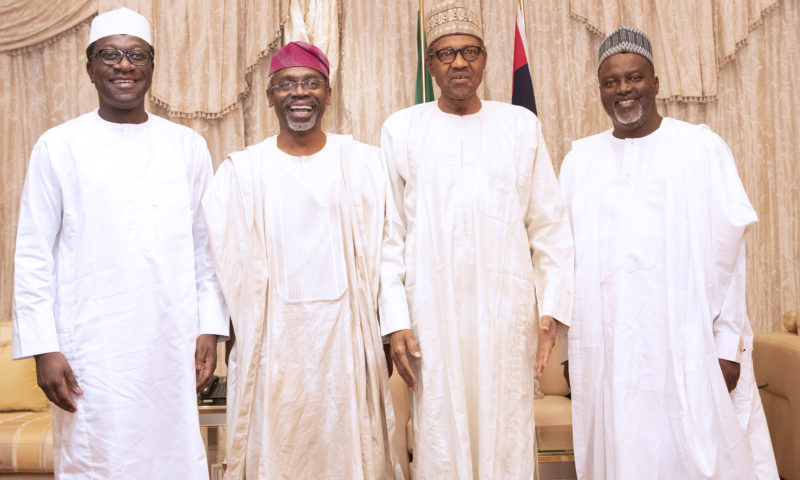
(26, 442)
(776, 362)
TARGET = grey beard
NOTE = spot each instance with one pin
(302, 126)
(630, 117)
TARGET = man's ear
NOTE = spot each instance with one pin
(90, 70)
(328, 93)
(270, 100)
(655, 82)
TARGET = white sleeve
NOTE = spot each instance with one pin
(731, 214)
(566, 182)
(729, 324)
(40, 215)
(212, 310)
(550, 238)
(392, 300)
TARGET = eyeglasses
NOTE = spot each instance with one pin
(469, 53)
(112, 56)
(310, 84)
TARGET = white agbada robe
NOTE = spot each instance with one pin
(659, 297)
(113, 269)
(477, 237)
(296, 243)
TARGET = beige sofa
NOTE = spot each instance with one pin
(776, 361)
(26, 439)
(552, 411)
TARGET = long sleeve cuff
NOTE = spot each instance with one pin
(559, 308)
(394, 314)
(727, 345)
(32, 336)
(213, 318)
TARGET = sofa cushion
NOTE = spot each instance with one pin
(26, 442)
(18, 381)
(552, 410)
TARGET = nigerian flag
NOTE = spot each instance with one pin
(422, 94)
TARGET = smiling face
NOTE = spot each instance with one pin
(459, 80)
(301, 108)
(628, 89)
(121, 88)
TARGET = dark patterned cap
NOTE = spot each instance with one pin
(625, 39)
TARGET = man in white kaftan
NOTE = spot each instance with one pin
(477, 238)
(296, 224)
(659, 324)
(115, 293)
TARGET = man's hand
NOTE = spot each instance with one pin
(55, 378)
(401, 341)
(205, 360)
(730, 370)
(546, 341)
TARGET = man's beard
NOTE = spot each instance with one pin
(629, 117)
(302, 126)
(634, 117)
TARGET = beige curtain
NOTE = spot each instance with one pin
(690, 37)
(735, 61)
(29, 22)
(222, 39)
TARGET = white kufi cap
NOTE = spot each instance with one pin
(122, 21)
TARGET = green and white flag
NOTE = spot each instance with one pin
(422, 94)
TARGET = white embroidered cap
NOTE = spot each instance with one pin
(449, 17)
(122, 21)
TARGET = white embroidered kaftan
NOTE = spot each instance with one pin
(296, 243)
(478, 236)
(659, 297)
(112, 269)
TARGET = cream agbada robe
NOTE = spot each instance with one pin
(659, 296)
(112, 269)
(477, 238)
(296, 243)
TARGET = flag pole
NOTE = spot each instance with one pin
(422, 46)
